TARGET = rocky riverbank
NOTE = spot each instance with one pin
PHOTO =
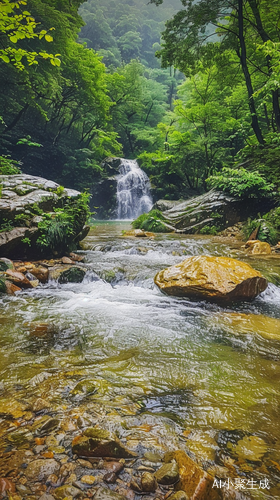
(38, 217)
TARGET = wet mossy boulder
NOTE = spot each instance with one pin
(96, 442)
(217, 279)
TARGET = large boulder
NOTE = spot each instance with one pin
(217, 279)
(24, 201)
(213, 208)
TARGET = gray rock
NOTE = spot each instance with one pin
(19, 195)
(41, 469)
(212, 208)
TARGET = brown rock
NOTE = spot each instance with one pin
(76, 257)
(18, 278)
(257, 247)
(194, 481)
(110, 477)
(113, 466)
(148, 482)
(95, 442)
(11, 289)
(41, 273)
(6, 486)
(66, 260)
(217, 279)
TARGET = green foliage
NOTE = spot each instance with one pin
(8, 166)
(16, 25)
(56, 230)
(26, 241)
(213, 230)
(266, 230)
(27, 142)
(5, 225)
(151, 221)
(241, 183)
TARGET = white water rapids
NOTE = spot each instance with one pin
(133, 191)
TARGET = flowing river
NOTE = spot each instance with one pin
(161, 371)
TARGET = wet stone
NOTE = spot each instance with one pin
(148, 482)
(167, 474)
(116, 467)
(88, 480)
(45, 425)
(106, 494)
(95, 442)
(20, 437)
(110, 478)
(66, 491)
(40, 404)
(40, 469)
(179, 495)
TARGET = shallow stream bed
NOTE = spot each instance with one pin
(163, 372)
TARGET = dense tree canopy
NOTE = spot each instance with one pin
(76, 89)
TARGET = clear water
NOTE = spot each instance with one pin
(188, 371)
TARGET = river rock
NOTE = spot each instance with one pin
(10, 288)
(18, 278)
(41, 469)
(148, 482)
(67, 273)
(168, 473)
(179, 495)
(256, 247)
(106, 494)
(194, 481)
(95, 442)
(66, 491)
(252, 324)
(217, 279)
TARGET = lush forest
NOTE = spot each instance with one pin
(188, 88)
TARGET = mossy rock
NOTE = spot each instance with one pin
(72, 275)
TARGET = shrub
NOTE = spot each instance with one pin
(8, 166)
(241, 183)
(152, 221)
(58, 229)
(267, 231)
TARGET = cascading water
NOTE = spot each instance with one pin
(133, 191)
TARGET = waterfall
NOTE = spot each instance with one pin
(133, 191)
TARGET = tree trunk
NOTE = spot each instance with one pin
(265, 37)
(243, 60)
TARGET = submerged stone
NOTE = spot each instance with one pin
(41, 469)
(194, 481)
(95, 442)
(217, 279)
(241, 323)
(167, 474)
(106, 494)
(251, 448)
